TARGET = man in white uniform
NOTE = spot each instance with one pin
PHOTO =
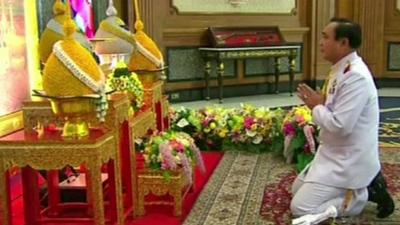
(345, 172)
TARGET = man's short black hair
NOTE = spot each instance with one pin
(346, 28)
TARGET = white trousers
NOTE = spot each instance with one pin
(313, 198)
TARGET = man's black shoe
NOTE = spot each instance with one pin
(377, 192)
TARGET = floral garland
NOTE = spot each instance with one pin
(97, 87)
(128, 82)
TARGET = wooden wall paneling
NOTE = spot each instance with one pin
(170, 28)
(344, 8)
(305, 12)
(368, 13)
(324, 12)
(391, 34)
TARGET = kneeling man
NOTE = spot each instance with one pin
(345, 172)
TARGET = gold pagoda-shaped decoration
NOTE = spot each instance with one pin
(74, 83)
(147, 60)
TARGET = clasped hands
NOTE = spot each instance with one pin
(309, 96)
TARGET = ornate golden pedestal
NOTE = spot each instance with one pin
(37, 113)
(158, 103)
(51, 151)
(150, 181)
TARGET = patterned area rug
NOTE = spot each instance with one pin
(233, 195)
(255, 189)
(276, 201)
(389, 129)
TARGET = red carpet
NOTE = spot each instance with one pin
(154, 214)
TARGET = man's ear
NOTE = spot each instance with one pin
(345, 42)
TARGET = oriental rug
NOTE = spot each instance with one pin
(255, 189)
(234, 193)
(389, 127)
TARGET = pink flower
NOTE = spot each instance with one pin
(177, 145)
(289, 129)
(248, 122)
(206, 121)
(168, 161)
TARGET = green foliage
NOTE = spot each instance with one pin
(119, 72)
(303, 159)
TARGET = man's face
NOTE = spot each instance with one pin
(329, 46)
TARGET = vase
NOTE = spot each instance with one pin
(75, 111)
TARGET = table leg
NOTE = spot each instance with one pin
(115, 192)
(54, 192)
(292, 65)
(207, 72)
(277, 73)
(140, 198)
(95, 191)
(133, 173)
(5, 198)
(177, 195)
(220, 79)
(128, 161)
(159, 118)
(30, 195)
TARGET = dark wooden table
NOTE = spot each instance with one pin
(276, 52)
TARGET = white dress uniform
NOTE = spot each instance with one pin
(348, 157)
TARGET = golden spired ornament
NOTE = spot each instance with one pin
(74, 83)
(146, 60)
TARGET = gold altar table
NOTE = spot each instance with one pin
(219, 54)
(117, 119)
(158, 103)
(50, 151)
(150, 181)
(143, 122)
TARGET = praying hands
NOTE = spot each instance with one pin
(309, 96)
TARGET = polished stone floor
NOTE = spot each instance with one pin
(269, 100)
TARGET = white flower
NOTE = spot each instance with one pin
(257, 139)
(182, 123)
(251, 133)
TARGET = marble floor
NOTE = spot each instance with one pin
(268, 100)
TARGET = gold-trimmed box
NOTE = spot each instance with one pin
(153, 182)
(234, 37)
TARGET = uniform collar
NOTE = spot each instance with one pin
(345, 61)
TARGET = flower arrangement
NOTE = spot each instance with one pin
(258, 124)
(214, 121)
(170, 151)
(125, 81)
(299, 133)
(185, 120)
(214, 127)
